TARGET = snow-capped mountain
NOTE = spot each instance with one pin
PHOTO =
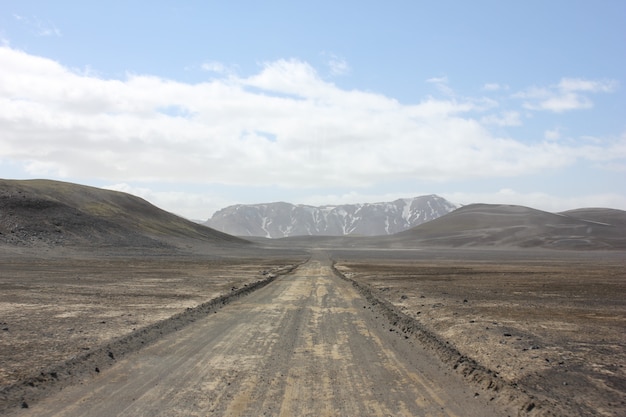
(276, 220)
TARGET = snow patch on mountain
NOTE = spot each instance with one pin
(276, 220)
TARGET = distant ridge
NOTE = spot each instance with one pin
(43, 213)
(599, 215)
(54, 213)
(278, 220)
(497, 225)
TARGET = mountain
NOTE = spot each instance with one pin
(506, 225)
(53, 213)
(278, 220)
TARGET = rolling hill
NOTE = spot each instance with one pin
(492, 226)
(44, 213)
(507, 225)
(53, 213)
(608, 216)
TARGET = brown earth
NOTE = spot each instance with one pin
(528, 332)
(110, 303)
(549, 323)
(57, 311)
(307, 344)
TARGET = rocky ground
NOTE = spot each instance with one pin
(55, 309)
(552, 326)
(305, 344)
(549, 324)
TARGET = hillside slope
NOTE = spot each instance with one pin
(278, 220)
(608, 216)
(506, 225)
(44, 212)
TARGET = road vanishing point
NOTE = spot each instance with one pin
(304, 345)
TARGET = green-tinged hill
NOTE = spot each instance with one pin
(52, 213)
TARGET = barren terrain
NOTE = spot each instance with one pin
(552, 325)
(304, 345)
(59, 309)
(514, 332)
(111, 306)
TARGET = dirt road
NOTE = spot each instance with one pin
(305, 345)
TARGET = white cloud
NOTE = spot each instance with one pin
(219, 68)
(338, 66)
(354, 197)
(283, 126)
(495, 87)
(192, 205)
(552, 134)
(507, 118)
(491, 87)
(538, 200)
(592, 86)
(202, 205)
(567, 95)
(438, 80)
(214, 66)
(442, 85)
(39, 27)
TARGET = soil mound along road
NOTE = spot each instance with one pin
(32, 389)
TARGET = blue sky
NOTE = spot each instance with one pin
(197, 105)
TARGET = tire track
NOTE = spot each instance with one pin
(305, 345)
(93, 362)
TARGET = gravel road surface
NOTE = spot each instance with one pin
(305, 345)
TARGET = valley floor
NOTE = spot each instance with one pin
(304, 345)
(543, 328)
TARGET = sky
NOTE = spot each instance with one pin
(198, 105)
